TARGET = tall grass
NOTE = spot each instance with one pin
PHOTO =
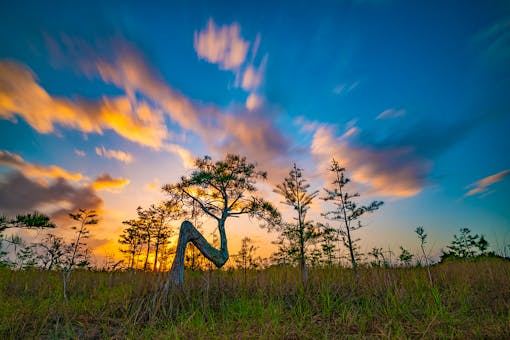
(468, 299)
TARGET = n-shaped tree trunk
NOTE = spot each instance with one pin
(189, 233)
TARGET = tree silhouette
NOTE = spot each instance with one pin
(346, 210)
(221, 189)
(294, 190)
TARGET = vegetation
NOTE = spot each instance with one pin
(296, 236)
(469, 300)
(346, 210)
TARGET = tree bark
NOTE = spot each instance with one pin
(188, 233)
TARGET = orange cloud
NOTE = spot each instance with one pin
(107, 182)
(483, 184)
(389, 172)
(21, 95)
(15, 161)
(115, 154)
(221, 45)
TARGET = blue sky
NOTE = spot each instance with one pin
(104, 102)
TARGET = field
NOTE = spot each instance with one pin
(468, 300)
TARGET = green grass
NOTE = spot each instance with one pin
(468, 300)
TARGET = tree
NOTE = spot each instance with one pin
(78, 253)
(405, 257)
(131, 242)
(245, 259)
(466, 245)
(53, 251)
(300, 233)
(33, 220)
(346, 210)
(379, 258)
(328, 239)
(221, 189)
(423, 240)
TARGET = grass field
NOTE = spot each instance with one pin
(468, 300)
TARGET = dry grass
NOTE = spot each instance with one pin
(468, 300)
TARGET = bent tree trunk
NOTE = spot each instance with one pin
(189, 233)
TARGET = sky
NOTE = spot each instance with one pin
(102, 103)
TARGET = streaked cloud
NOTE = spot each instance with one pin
(345, 87)
(494, 41)
(107, 182)
(79, 153)
(391, 113)
(253, 76)
(482, 186)
(119, 155)
(395, 172)
(254, 101)
(39, 171)
(222, 45)
(21, 95)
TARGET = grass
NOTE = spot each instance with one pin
(468, 300)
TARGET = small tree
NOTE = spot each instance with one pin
(327, 240)
(423, 240)
(346, 210)
(131, 242)
(300, 233)
(405, 257)
(463, 245)
(221, 189)
(78, 253)
(378, 257)
(245, 259)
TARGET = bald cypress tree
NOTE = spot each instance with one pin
(297, 235)
(346, 211)
(221, 189)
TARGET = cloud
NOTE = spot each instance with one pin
(391, 113)
(15, 161)
(115, 154)
(482, 185)
(188, 160)
(395, 172)
(154, 185)
(253, 77)
(20, 194)
(494, 41)
(79, 153)
(221, 45)
(345, 87)
(250, 133)
(107, 182)
(21, 95)
(254, 102)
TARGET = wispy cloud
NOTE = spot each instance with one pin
(79, 153)
(494, 41)
(481, 186)
(107, 182)
(391, 113)
(222, 45)
(33, 170)
(119, 155)
(21, 95)
(393, 172)
(345, 87)
(154, 185)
